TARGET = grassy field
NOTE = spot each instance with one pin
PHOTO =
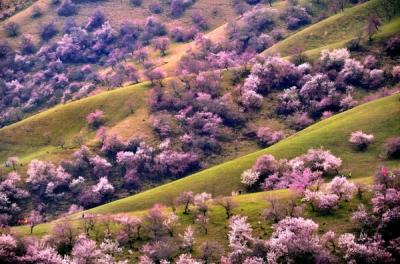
(250, 205)
(332, 32)
(39, 134)
(388, 29)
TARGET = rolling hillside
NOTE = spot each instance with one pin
(39, 134)
(218, 12)
(204, 119)
(335, 31)
(380, 117)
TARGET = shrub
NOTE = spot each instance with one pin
(239, 236)
(396, 72)
(11, 29)
(179, 34)
(342, 188)
(95, 118)
(352, 71)
(274, 73)
(334, 59)
(161, 44)
(297, 16)
(36, 12)
(363, 251)
(393, 46)
(202, 123)
(10, 197)
(265, 165)
(199, 20)
(155, 219)
(141, 54)
(67, 8)
(259, 18)
(12, 162)
(289, 101)
(360, 140)
(295, 240)
(253, 2)
(249, 177)
(5, 49)
(154, 27)
(136, 2)
(300, 180)
(103, 187)
(96, 20)
(370, 62)
(210, 251)
(267, 137)
(392, 148)
(155, 75)
(300, 120)
(101, 167)
(162, 125)
(177, 7)
(317, 88)
(347, 102)
(188, 238)
(27, 45)
(112, 144)
(319, 201)
(175, 163)
(321, 160)
(251, 99)
(8, 248)
(155, 8)
(47, 31)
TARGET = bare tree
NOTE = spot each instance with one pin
(372, 27)
(274, 211)
(293, 209)
(185, 199)
(34, 219)
(228, 204)
(279, 210)
(361, 189)
(89, 223)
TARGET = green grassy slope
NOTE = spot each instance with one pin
(380, 117)
(38, 135)
(250, 205)
(333, 32)
(389, 29)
